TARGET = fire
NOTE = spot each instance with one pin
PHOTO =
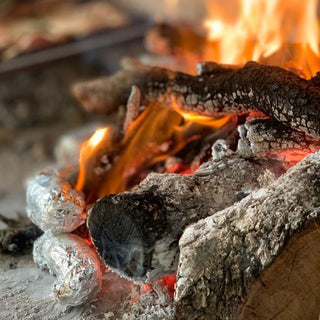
(87, 152)
(278, 32)
(154, 136)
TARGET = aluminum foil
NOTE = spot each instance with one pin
(76, 266)
(53, 204)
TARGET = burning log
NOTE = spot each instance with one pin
(137, 232)
(105, 94)
(274, 91)
(268, 137)
(259, 258)
(76, 265)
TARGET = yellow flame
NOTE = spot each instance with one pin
(87, 151)
(285, 33)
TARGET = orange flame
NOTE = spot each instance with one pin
(155, 135)
(285, 33)
(87, 152)
(205, 121)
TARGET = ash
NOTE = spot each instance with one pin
(149, 307)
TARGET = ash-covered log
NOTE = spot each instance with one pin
(278, 93)
(268, 137)
(137, 232)
(258, 259)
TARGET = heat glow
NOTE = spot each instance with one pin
(275, 32)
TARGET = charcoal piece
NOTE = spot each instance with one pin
(76, 266)
(268, 137)
(274, 91)
(137, 232)
(257, 259)
(53, 204)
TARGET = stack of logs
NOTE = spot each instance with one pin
(242, 233)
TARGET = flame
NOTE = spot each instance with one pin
(284, 33)
(145, 140)
(192, 118)
(87, 152)
(154, 136)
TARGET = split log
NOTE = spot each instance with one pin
(274, 91)
(137, 232)
(258, 259)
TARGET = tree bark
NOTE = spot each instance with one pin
(274, 91)
(258, 258)
(137, 232)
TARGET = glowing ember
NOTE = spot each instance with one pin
(285, 33)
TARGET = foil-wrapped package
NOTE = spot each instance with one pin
(53, 204)
(76, 266)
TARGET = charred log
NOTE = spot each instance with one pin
(268, 137)
(274, 91)
(137, 232)
(258, 258)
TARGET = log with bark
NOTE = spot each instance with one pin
(137, 232)
(278, 93)
(258, 259)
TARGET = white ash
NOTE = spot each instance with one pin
(259, 137)
(148, 307)
(76, 266)
(53, 204)
(221, 149)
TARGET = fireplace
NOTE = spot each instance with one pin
(200, 201)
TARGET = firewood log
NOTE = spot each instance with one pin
(137, 232)
(258, 259)
(274, 91)
(268, 137)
